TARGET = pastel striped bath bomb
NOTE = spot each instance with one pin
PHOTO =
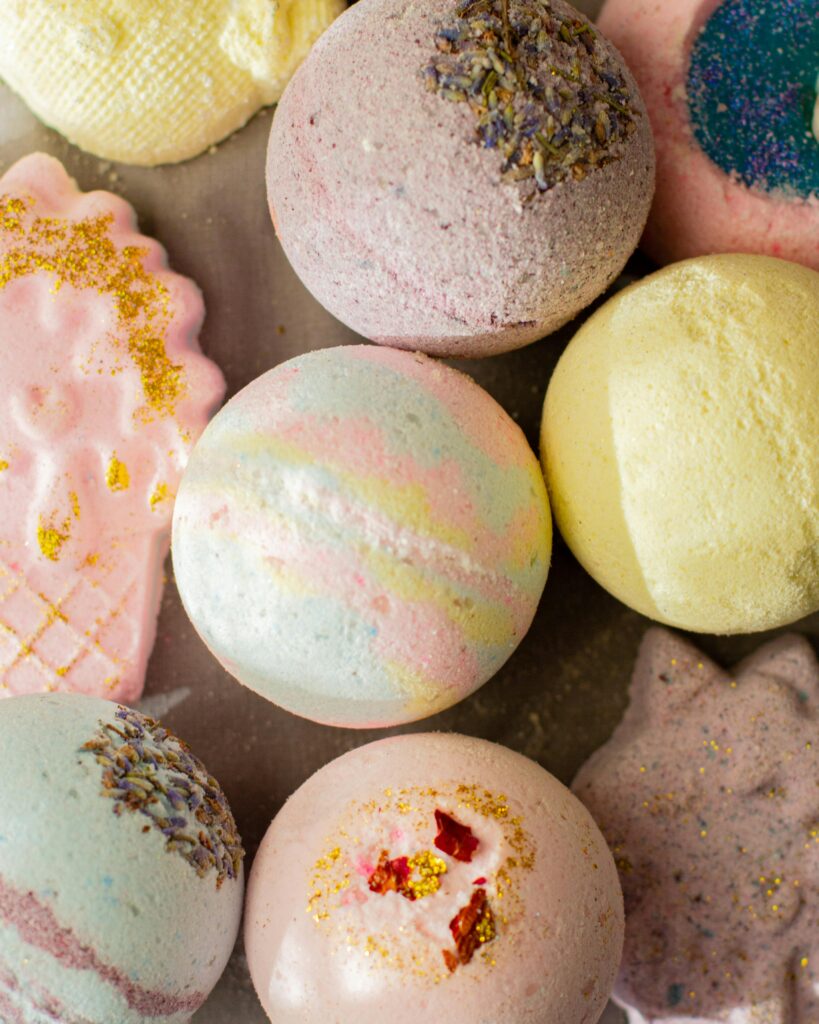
(362, 536)
(120, 867)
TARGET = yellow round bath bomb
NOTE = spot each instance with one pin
(680, 441)
(154, 81)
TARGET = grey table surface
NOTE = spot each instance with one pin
(561, 694)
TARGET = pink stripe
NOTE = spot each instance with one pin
(39, 926)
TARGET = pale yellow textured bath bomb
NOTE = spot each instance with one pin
(154, 81)
(680, 441)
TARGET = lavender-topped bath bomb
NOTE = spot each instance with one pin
(120, 867)
(444, 177)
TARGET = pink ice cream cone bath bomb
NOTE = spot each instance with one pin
(362, 536)
(433, 877)
(104, 390)
(120, 867)
(708, 795)
(446, 178)
(731, 90)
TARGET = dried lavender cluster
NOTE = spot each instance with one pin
(545, 92)
(148, 770)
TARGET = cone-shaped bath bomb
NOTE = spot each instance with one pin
(441, 180)
(149, 83)
(433, 877)
(679, 440)
(731, 90)
(104, 390)
(362, 536)
(706, 794)
(120, 867)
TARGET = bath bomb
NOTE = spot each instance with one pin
(362, 536)
(433, 877)
(731, 91)
(706, 794)
(104, 390)
(446, 180)
(120, 867)
(149, 83)
(679, 440)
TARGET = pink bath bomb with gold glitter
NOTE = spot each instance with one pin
(731, 90)
(433, 877)
(707, 796)
(104, 390)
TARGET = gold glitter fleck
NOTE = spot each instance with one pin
(429, 869)
(117, 476)
(803, 962)
(51, 539)
(161, 493)
(83, 255)
(3, 465)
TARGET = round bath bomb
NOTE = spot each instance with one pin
(679, 440)
(706, 794)
(433, 877)
(149, 83)
(120, 867)
(731, 90)
(443, 180)
(362, 536)
(679, 444)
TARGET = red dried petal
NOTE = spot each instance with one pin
(454, 838)
(471, 927)
(450, 959)
(391, 876)
(480, 881)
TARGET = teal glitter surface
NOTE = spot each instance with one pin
(752, 89)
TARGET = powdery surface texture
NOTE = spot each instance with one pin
(104, 392)
(698, 208)
(708, 795)
(397, 220)
(362, 536)
(433, 876)
(105, 916)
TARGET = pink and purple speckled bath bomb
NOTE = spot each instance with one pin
(731, 90)
(707, 795)
(443, 179)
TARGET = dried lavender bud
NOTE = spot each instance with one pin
(543, 88)
(147, 770)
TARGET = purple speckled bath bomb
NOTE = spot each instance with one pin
(443, 180)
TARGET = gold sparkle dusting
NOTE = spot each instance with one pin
(429, 868)
(117, 476)
(51, 538)
(161, 493)
(3, 465)
(337, 881)
(83, 255)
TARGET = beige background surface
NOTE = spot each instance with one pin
(561, 694)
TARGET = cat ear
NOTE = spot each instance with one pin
(668, 674)
(790, 660)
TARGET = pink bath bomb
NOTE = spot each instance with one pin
(706, 794)
(445, 182)
(104, 392)
(731, 90)
(438, 878)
